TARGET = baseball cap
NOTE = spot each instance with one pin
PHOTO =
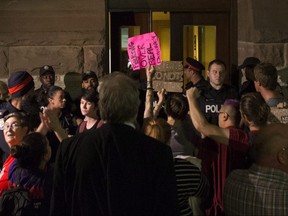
(88, 74)
(46, 68)
(249, 61)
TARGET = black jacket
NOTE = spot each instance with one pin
(114, 170)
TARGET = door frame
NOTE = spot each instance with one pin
(223, 35)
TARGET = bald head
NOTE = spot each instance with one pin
(271, 146)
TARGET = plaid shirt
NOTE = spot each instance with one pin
(256, 191)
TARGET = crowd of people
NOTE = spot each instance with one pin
(209, 150)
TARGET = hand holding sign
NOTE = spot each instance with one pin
(144, 50)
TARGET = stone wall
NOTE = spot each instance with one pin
(67, 34)
(263, 32)
(70, 36)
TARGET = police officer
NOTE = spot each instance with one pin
(213, 92)
(193, 74)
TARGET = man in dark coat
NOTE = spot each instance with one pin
(114, 170)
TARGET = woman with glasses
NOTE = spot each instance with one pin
(16, 126)
(30, 170)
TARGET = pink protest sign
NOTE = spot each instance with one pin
(144, 50)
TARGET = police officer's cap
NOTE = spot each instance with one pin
(194, 64)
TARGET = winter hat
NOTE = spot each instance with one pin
(19, 83)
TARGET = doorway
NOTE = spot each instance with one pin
(203, 36)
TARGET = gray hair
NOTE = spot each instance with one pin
(118, 98)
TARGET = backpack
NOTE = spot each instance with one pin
(16, 201)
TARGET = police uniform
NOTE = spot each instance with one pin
(210, 99)
(195, 66)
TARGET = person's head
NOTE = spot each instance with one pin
(33, 152)
(216, 73)
(4, 94)
(118, 98)
(229, 114)
(56, 97)
(254, 109)
(89, 103)
(16, 126)
(271, 147)
(192, 67)
(266, 76)
(177, 106)
(47, 76)
(248, 66)
(89, 80)
(158, 129)
(21, 85)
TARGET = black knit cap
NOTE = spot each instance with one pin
(194, 64)
(46, 69)
(19, 83)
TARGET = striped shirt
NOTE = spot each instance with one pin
(256, 191)
(190, 182)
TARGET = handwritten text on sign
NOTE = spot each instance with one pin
(144, 50)
(169, 75)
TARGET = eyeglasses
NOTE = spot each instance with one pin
(13, 126)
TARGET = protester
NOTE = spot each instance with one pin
(191, 182)
(262, 189)
(114, 169)
(266, 84)
(16, 126)
(89, 109)
(184, 139)
(232, 144)
(57, 122)
(21, 89)
(30, 170)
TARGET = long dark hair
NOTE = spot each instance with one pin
(31, 151)
(44, 97)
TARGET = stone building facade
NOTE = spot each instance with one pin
(263, 32)
(71, 36)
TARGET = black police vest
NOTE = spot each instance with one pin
(211, 100)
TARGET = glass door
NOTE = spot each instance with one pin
(203, 36)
